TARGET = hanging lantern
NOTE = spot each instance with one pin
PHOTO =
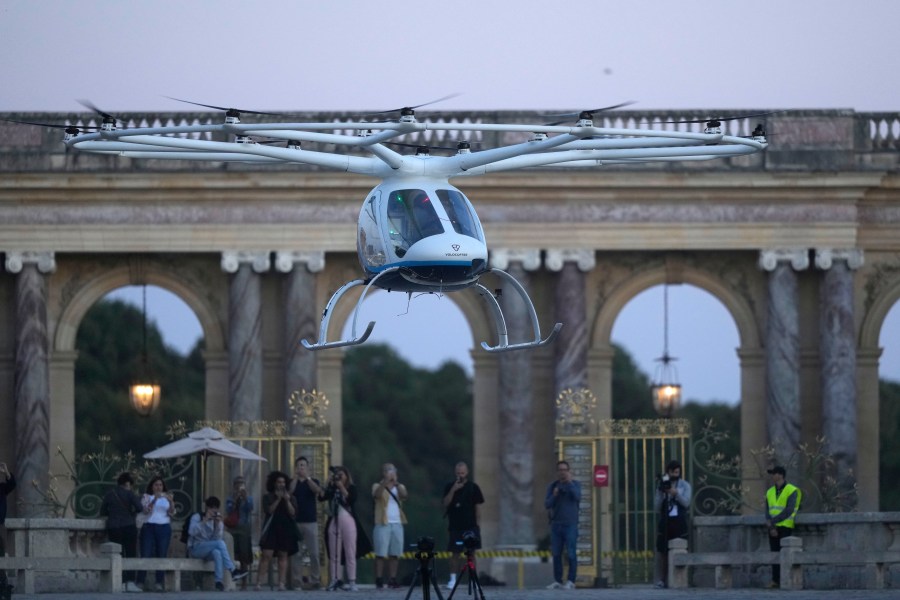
(666, 390)
(144, 393)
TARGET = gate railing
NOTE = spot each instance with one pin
(617, 523)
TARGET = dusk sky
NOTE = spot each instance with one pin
(509, 54)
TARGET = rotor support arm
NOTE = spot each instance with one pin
(503, 344)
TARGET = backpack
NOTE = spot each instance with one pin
(186, 527)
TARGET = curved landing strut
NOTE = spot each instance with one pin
(503, 344)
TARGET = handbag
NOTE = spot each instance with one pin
(232, 519)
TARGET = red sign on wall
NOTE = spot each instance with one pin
(601, 475)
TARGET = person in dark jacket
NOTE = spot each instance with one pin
(119, 506)
(345, 538)
(562, 500)
(6, 487)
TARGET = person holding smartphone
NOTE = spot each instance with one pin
(278, 537)
(206, 540)
(462, 507)
(389, 495)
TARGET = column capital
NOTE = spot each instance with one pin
(232, 260)
(286, 259)
(45, 261)
(825, 257)
(529, 257)
(557, 257)
(798, 257)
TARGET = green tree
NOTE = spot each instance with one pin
(420, 420)
(630, 388)
(889, 423)
(109, 342)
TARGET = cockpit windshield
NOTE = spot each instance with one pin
(460, 212)
(411, 217)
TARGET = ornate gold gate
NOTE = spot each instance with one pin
(617, 523)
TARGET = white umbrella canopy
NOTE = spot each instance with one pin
(203, 441)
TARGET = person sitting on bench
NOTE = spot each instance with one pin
(206, 540)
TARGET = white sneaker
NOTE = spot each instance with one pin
(555, 586)
(452, 582)
(351, 587)
(570, 585)
(131, 586)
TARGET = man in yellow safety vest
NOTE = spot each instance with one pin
(782, 503)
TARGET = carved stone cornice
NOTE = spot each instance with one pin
(286, 259)
(556, 258)
(529, 257)
(258, 260)
(798, 257)
(45, 261)
(825, 257)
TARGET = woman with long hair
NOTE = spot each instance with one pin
(279, 534)
(156, 533)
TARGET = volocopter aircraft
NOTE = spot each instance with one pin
(416, 232)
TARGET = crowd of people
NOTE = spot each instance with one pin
(290, 509)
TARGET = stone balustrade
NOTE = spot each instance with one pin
(802, 140)
(854, 534)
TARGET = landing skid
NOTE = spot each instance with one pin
(503, 344)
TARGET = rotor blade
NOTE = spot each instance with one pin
(225, 108)
(93, 107)
(53, 125)
(734, 118)
(572, 115)
(394, 110)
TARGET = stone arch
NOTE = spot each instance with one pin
(749, 354)
(748, 329)
(873, 321)
(96, 288)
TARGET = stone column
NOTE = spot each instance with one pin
(32, 375)
(783, 348)
(301, 320)
(515, 403)
(245, 333)
(837, 348)
(571, 346)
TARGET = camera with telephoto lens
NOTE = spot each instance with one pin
(470, 540)
(664, 483)
(425, 544)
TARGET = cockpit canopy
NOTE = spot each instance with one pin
(394, 219)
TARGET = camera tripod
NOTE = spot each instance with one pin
(426, 574)
(472, 572)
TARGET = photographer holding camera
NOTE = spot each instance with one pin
(206, 540)
(562, 500)
(462, 503)
(672, 502)
(345, 539)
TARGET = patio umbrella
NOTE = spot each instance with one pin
(204, 442)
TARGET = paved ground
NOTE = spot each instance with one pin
(500, 593)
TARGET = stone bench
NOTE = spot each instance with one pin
(110, 566)
(173, 568)
(791, 558)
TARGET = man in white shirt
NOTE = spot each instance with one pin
(389, 496)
